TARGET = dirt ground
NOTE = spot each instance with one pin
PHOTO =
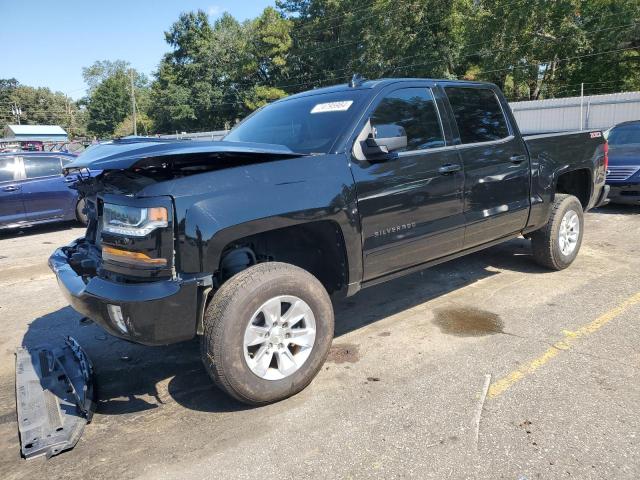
(403, 392)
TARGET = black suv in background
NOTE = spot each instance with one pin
(623, 175)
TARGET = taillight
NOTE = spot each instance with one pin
(606, 155)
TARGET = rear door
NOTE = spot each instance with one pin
(11, 205)
(496, 164)
(410, 206)
(45, 190)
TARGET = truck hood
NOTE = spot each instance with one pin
(123, 154)
(624, 155)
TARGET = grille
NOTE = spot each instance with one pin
(619, 173)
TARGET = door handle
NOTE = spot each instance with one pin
(449, 168)
(517, 158)
(70, 179)
(10, 188)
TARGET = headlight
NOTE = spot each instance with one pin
(133, 221)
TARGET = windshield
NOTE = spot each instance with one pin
(306, 125)
(624, 135)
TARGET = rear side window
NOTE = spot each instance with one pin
(7, 168)
(478, 114)
(41, 166)
(414, 110)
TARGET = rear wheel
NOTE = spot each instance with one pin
(556, 245)
(267, 332)
(81, 216)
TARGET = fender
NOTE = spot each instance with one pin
(237, 202)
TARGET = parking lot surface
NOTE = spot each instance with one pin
(484, 367)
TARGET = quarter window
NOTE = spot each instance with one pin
(41, 166)
(414, 110)
(478, 114)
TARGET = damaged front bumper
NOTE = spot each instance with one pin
(54, 397)
(152, 313)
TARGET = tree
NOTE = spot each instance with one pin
(109, 100)
(100, 70)
(109, 104)
(40, 106)
(217, 73)
(143, 123)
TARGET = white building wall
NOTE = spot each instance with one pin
(563, 114)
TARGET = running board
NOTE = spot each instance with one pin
(54, 397)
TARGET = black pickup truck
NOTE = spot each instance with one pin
(243, 241)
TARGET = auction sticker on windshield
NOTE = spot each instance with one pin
(332, 107)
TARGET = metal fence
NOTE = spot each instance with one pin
(576, 113)
(213, 135)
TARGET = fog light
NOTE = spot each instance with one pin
(115, 314)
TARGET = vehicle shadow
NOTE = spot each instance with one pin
(129, 377)
(617, 209)
(39, 229)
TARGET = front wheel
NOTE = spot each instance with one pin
(81, 215)
(267, 332)
(556, 245)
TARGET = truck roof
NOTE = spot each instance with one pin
(377, 85)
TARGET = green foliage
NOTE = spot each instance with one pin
(109, 100)
(40, 106)
(217, 72)
(125, 128)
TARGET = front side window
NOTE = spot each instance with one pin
(7, 168)
(37, 166)
(414, 111)
(478, 114)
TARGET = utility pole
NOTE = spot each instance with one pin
(581, 105)
(16, 111)
(133, 104)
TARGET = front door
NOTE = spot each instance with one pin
(45, 190)
(410, 206)
(496, 165)
(11, 205)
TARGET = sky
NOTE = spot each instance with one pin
(46, 43)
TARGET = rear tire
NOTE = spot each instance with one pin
(556, 245)
(259, 302)
(81, 216)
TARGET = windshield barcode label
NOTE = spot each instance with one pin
(332, 107)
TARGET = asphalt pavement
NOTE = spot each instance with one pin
(486, 367)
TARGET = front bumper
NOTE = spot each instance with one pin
(152, 313)
(628, 194)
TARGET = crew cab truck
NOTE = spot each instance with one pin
(243, 241)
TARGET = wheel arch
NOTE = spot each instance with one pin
(318, 247)
(577, 182)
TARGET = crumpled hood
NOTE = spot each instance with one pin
(124, 153)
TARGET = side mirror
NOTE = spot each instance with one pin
(383, 140)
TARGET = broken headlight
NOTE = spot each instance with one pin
(133, 221)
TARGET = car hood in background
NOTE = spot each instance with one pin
(123, 154)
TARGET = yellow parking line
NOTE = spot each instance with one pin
(570, 337)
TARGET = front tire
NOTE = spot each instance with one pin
(556, 245)
(267, 333)
(81, 216)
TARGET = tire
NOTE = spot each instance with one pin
(227, 322)
(80, 215)
(546, 243)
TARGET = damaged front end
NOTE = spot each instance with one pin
(124, 273)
